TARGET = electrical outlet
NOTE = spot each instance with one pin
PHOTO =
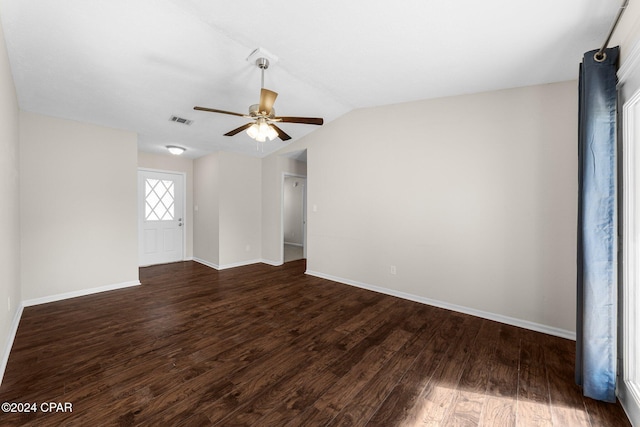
(392, 269)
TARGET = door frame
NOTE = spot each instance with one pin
(629, 380)
(184, 207)
(628, 383)
(304, 213)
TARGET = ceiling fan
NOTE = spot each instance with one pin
(263, 116)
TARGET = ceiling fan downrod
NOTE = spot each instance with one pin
(263, 64)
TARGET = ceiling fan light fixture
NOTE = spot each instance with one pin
(175, 150)
(261, 131)
(271, 133)
(253, 131)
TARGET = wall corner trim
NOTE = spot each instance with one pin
(550, 330)
(10, 339)
(80, 293)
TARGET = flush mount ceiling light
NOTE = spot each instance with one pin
(175, 150)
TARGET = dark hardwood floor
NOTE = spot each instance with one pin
(270, 346)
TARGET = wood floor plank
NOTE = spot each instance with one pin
(603, 414)
(365, 404)
(265, 409)
(270, 346)
(252, 380)
(352, 380)
(469, 398)
(500, 406)
(434, 402)
(567, 403)
(533, 387)
(397, 406)
(303, 394)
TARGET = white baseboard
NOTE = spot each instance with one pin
(294, 244)
(207, 263)
(80, 293)
(550, 330)
(232, 265)
(162, 263)
(629, 395)
(237, 264)
(240, 264)
(9, 344)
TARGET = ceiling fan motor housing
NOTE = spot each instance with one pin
(254, 111)
(262, 63)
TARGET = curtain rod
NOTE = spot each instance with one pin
(600, 55)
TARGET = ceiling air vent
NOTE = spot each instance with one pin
(181, 120)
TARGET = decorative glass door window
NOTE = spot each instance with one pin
(159, 200)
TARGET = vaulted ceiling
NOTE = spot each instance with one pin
(133, 64)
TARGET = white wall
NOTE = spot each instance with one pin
(206, 215)
(10, 294)
(293, 199)
(472, 198)
(78, 206)
(227, 222)
(240, 209)
(172, 163)
(273, 168)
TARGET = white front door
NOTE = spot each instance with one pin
(160, 217)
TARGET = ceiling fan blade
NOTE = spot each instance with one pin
(305, 120)
(267, 99)
(213, 110)
(281, 134)
(238, 130)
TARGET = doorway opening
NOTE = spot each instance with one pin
(294, 217)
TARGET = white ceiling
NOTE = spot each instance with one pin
(131, 64)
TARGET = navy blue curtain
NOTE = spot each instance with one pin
(597, 228)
